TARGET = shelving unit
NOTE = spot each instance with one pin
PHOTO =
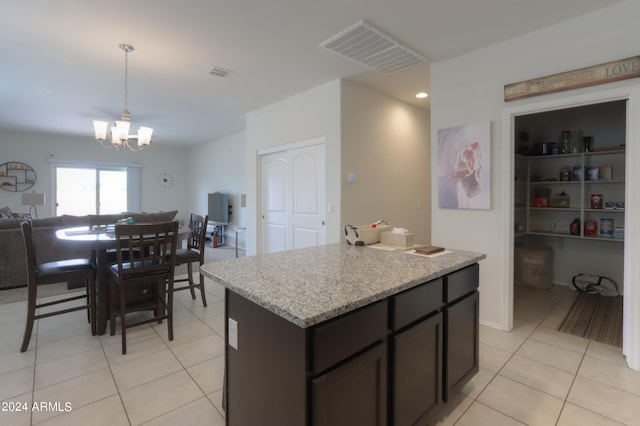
(548, 227)
(16, 176)
(534, 211)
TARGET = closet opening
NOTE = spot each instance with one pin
(569, 218)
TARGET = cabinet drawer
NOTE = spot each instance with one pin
(416, 303)
(342, 337)
(138, 295)
(461, 282)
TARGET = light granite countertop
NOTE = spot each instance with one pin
(312, 285)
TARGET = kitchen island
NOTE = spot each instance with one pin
(339, 334)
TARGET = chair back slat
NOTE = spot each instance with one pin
(30, 253)
(198, 232)
(146, 248)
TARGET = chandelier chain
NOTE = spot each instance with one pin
(126, 79)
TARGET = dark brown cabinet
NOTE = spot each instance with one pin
(461, 325)
(354, 393)
(417, 366)
(388, 363)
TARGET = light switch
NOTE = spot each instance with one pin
(233, 333)
(351, 177)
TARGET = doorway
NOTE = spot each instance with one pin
(569, 214)
(90, 190)
(631, 270)
(292, 197)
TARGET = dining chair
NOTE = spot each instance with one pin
(55, 272)
(143, 281)
(194, 252)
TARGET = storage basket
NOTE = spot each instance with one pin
(533, 266)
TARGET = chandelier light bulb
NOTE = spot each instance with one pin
(100, 128)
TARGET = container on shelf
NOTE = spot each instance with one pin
(596, 201)
(566, 142)
(587, 143)
(577, 173)
(590, 228)
(560, 200)
(606, 172)
(575, 227)
(606, 227)
(592, 173)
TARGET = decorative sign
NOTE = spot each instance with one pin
(598, 74)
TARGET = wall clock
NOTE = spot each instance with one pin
(165, 180)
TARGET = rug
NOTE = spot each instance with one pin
(12, 295)
(595, 317)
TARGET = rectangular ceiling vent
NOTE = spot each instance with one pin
(220, 72)
(368, 45)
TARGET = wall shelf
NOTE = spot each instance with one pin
(16, 176)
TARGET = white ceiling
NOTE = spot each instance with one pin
(62, 67)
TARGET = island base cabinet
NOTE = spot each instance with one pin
(354, 393)
(461, 343)
(417, 365)
(265, 372)
(390, 362)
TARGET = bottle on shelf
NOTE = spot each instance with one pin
(566, 142)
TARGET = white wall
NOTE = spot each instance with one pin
(36, 150)
(307, 115)
(469, 89)
(385, 143)
(220, 165)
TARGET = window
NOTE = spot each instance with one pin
(95, 189)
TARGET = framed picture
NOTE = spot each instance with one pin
(464, 167)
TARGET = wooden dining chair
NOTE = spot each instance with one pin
(143, 279)
(55, 272)
(194, 252)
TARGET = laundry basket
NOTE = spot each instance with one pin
(533, 266)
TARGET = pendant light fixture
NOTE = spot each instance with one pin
(120, 132)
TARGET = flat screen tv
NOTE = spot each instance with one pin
(219, 208)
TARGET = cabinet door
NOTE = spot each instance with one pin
(461, 327)
(417, 365)
(354, 393)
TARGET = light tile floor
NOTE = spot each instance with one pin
(532, 375)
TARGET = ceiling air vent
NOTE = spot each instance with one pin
(368, 45)
(220, 72)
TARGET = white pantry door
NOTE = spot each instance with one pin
(292, 198)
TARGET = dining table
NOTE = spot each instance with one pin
(100, 239)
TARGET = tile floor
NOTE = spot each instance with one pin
(532, 375)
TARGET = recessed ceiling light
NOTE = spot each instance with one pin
(421, 95)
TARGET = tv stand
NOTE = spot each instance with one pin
(219, 229)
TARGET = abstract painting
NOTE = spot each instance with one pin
(464, 167)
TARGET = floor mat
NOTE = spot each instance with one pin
(595, 317)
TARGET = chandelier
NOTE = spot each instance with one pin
(120, 132)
